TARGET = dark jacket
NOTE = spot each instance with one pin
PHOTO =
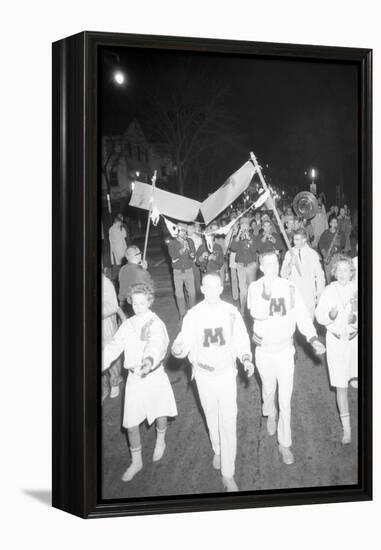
(325, 242)
(276, 244)
(181, 256)
(206, 265)
(245, 249)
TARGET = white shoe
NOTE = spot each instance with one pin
(346, 439)
(114, 392)
(217, 462)
(158, 451)
(229, 484)
(131, 471)
(346, 424)
(135, 466)
(271, 424)
(287, 456)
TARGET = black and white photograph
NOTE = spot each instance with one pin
(229, 228)
(190, 275)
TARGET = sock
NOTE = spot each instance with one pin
(136, 464)
(345, 420)
(160, 444)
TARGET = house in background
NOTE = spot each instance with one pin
(129, 157)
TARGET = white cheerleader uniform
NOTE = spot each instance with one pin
(148, 397)
(341, 339)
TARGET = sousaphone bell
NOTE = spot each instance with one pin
(305, 205)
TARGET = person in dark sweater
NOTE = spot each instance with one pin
(182, 253)
(270, 242)
(329, 247)
(132, 273)
(211, 261)
(245, 246)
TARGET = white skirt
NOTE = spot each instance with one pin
(342, 360)
(148, 398)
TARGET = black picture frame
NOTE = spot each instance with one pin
(76, 330)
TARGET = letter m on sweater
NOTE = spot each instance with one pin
(213, 336)
(277, 307)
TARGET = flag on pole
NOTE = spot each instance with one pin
(228, 192)
(155, 215)
(258, 203)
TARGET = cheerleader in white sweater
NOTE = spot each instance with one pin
(144, 340)
(214, 335)
(277, 307)
(337, 310)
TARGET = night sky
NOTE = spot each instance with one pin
(294, 115)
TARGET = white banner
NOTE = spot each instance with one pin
(168, 204)
(228, 192)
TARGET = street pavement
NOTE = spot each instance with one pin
(186, 468)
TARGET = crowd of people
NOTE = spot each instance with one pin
(310, 285)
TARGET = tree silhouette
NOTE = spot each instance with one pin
(188, 113)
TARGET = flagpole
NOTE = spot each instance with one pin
(153, 181)
(273, 207)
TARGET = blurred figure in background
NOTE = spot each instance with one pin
(117, 237)
(195, 235)
(134, 272)
(245, 246)
(182, 252)
(319, 224)
(110, 310)
(331, 242)
(211, 259)
(345, 223)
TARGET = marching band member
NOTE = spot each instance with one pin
(195, 236)
(182, 252)
(337, 310)
(245, 246)
(310, 281)
(211, 261)
(331, 242)
(270, 242)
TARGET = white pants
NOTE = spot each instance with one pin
(277, 368)
(218, 396)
